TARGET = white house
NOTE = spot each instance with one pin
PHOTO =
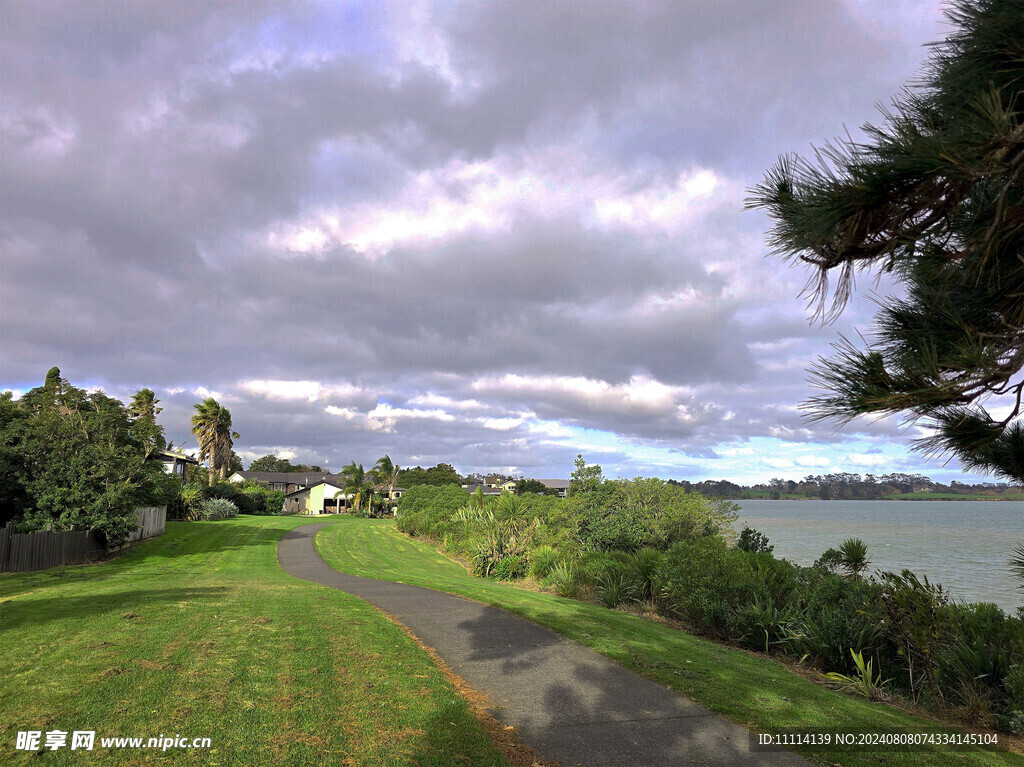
(561, 485)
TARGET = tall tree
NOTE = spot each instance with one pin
(270, 462)
(385, 472)
(211, 425)
(143, 411)
(934, 197)
(357, 484)
(585, 479)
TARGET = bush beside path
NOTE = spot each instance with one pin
(755, 691)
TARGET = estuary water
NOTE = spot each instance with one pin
(964, 545)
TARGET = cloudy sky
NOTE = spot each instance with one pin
(493, 234)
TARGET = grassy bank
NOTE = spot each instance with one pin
(200, 634)
(755, 691)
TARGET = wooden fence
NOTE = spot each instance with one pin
(152, 522)
(22, 552)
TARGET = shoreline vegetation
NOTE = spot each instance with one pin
(644, 543)
(761, 692)
(845, 486)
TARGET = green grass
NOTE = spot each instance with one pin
(200, 633)
(752, 690)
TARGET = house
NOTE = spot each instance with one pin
(508, 487)
(493, 480)
(288, 481)
(485, 489)
(392, 495)
(175, 462)
(561, 485)
(322, 497)
(327, 496)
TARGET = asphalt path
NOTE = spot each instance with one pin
(567, 702)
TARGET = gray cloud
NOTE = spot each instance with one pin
(202, 195)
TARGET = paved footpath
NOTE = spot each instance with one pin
(567, 702)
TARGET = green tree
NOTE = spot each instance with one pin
(211, 424)
(357, 484)
(442, 474)
(533, 486)
(79, 462)
(935, 198)
(585, 479)
(386, 472)
(14, 499)
(270, 463)
(853, 557)
(143, 411)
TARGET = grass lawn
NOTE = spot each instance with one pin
(199, 633)
(753, 690)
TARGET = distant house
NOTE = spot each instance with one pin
(317, 498)
(561, 485)
(174, 461)
(508, 487)
(327, 496)
(288, 481)
(493, 480)
(392, 495)
(485, 489)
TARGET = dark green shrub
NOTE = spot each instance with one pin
(596, 564)
(764, 624)
(704, 582)
(229, 491)
(915, 619)
(511, 568)
(645, 564)
(613, 587)
(976, 666)
(177, 509)
(753, 541)
(542, 559)
(827, 635)
(625, 515)
(564, 579)
(428, 510)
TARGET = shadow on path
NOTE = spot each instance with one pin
(567, 701)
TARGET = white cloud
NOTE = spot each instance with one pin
(489, 195)
(311, 391)
(641, 394)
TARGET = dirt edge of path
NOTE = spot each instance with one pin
(506, 739)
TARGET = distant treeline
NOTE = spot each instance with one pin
(839, 487)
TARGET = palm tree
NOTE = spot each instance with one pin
(853, 557)
(385, 472)
(143, 405)
(212, 426)
(143, 411)
(356, 483)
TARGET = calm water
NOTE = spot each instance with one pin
(964, 545)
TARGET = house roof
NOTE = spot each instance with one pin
(306, 478)
(307, 488)
(174, 455)
(556, 484)
(484, 488)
